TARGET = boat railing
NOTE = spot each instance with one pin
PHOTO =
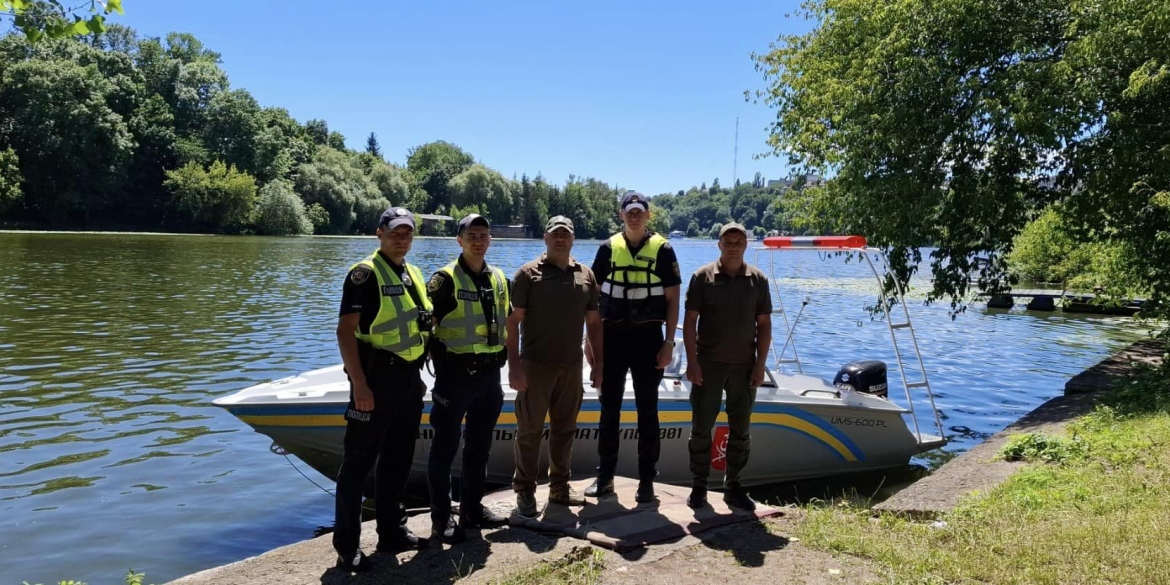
(904, 328)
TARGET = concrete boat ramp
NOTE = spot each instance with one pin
(640, 533)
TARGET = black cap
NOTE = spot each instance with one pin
(557, 222)
(473, 219)
(396, 216)
(635, 199)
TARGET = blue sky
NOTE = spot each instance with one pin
(641, 95)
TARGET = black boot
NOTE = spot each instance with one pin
(737, 498)
(645, 491)
(698, 497)
(402, 539)
(601, 486)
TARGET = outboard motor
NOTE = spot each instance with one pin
(868, 376)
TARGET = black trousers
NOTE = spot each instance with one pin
(634, 349)
(385, 436)
(460, 393)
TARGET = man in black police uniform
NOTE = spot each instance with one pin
(640, 279)
(382, 334)
(471, 307)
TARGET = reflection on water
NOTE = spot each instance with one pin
(112, 346)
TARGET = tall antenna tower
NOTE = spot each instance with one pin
(735, 163)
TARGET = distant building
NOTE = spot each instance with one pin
(809, 179)
(510, 231)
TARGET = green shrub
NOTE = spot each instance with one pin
(218, 199)
(9, 179)
(281, 212)
(1039, 447)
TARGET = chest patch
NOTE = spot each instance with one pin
(648, 260)
(467, 295)
(392, 290)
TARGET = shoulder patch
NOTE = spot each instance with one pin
(677, 272)
(435, 282)
(667, 246)
(359, 275)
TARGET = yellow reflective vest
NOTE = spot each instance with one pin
(466, 329)
(395, 327)
(632, 290)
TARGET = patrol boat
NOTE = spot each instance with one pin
(802, 426)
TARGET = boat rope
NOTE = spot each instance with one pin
(280, 451)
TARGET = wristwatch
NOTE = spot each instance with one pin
(670, 341)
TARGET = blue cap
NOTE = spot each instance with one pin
(473, 219)
(396, 216)
(635, 199)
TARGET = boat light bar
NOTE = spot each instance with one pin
(815, 242)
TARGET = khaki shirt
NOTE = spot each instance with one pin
(555, 302)
(728, 305)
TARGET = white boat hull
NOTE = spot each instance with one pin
(801, 428)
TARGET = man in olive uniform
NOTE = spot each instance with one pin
(554, 296)
(640, 279)
(382, 334)
(471, 307)
(731, 304)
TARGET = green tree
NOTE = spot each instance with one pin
(48, 18)
(218, 199)
(10, 195)
(280, 212)
(372, 145)
(336, 141)
(318, 217)
(391, 183)
(484, 188)
(71, 145)
(233, 128)
(433, 165)
(334, 182)
(953, 123)
(318, 131)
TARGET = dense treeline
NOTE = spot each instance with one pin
(122, 132)
(959, 123)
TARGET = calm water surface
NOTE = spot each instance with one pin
(112, 347)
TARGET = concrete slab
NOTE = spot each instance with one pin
(620, 523)
(489, 554)
(979, 470)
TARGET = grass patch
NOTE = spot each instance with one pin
(1091, 508)
(582, 566)
(1040, 447)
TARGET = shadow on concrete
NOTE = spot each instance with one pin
(748, 543)
(433, 564)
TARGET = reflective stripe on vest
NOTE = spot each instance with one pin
(615, 290)
(465, 329)
(632, 289)
(395, 327)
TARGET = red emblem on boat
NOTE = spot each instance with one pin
(719, 449)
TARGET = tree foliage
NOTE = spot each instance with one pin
(38, 19)
(219, 198)
(481, 186)
(129, 132)
(953, 123)
(9, 179)
(281, 212)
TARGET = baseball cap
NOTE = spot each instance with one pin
(396, 216)
(558, 221)
(635, 199)
(473, 219)
(733, 227)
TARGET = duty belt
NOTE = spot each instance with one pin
(474, 362)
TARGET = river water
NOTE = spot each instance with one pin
(113, 345)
